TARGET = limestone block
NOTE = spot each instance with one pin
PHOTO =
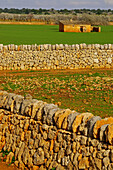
(84, 163)
(3, 97)
(26, 107)
(111, 155)
(70, 120)
(99, 123)
(109, 133)
(77, 46)
(106, 161)
(49, 46)
(36, 104)
(106, 46)
(10, 102)
(60, 115)
(73, 47)
(66, 46)
(29, 47)
(41, 47)
(109, 60)
(89, 46)
(1, 47)
(40, 111)
(98, 163)
(17, 103)
(81, 118)
(83, 140)
(12, 46)
(110, 167)
(50, 120)
(39, 157)
(102, 136)
(96, 60)
(56, 47)
(21, 150)
(108, 66)
(45, 46)
(61, 46)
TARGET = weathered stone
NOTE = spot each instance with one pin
(109, 134)
(59, 137)
(21, 151)
(110, 167)
(59, 167)
(84, 163)
(39, 157)
(51, 134)
(83, 140)
(60, 115)
(99, 123)
(60, 155)
(56, 146)
(106, 161)
(91, 123)
(94, 142)
(50, 120)
(102, 132)
(48, 112)
(98, 163)
(40, 111)
(70, 120)
(17, 103)
(81, 118)
(111, 156)
(68, 150)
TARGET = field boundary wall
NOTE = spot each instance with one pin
(38, 135)
(47, 56)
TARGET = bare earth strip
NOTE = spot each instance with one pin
(25, 23)
(3, 166)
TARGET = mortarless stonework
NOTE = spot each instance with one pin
(36, 57)
(43, 136)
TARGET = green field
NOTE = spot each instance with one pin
(83, 91)
(46, 34)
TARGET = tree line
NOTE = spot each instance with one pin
(54, 11)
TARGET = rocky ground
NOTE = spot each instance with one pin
(82, 90)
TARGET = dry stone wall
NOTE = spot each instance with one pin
(43, 136)
(34, 57)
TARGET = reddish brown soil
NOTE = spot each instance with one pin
(66, 71)
(3, 166)
(25, 23)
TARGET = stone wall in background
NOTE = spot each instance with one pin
(38, 135)
(34, 57)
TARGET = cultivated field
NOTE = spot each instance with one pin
(84, 91)
(47, 34)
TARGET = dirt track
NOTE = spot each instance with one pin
(25, 23)
(67, 71)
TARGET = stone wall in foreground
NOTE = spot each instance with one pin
(34, 57)
(43, 136)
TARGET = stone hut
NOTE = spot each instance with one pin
(65, 26)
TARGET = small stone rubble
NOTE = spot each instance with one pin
(43, 136)
(47, 56)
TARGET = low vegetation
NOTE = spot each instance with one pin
(47, 34)
(83, 91)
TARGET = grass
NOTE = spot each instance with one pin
(83, 91)
(47, 34)
(4, 155)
